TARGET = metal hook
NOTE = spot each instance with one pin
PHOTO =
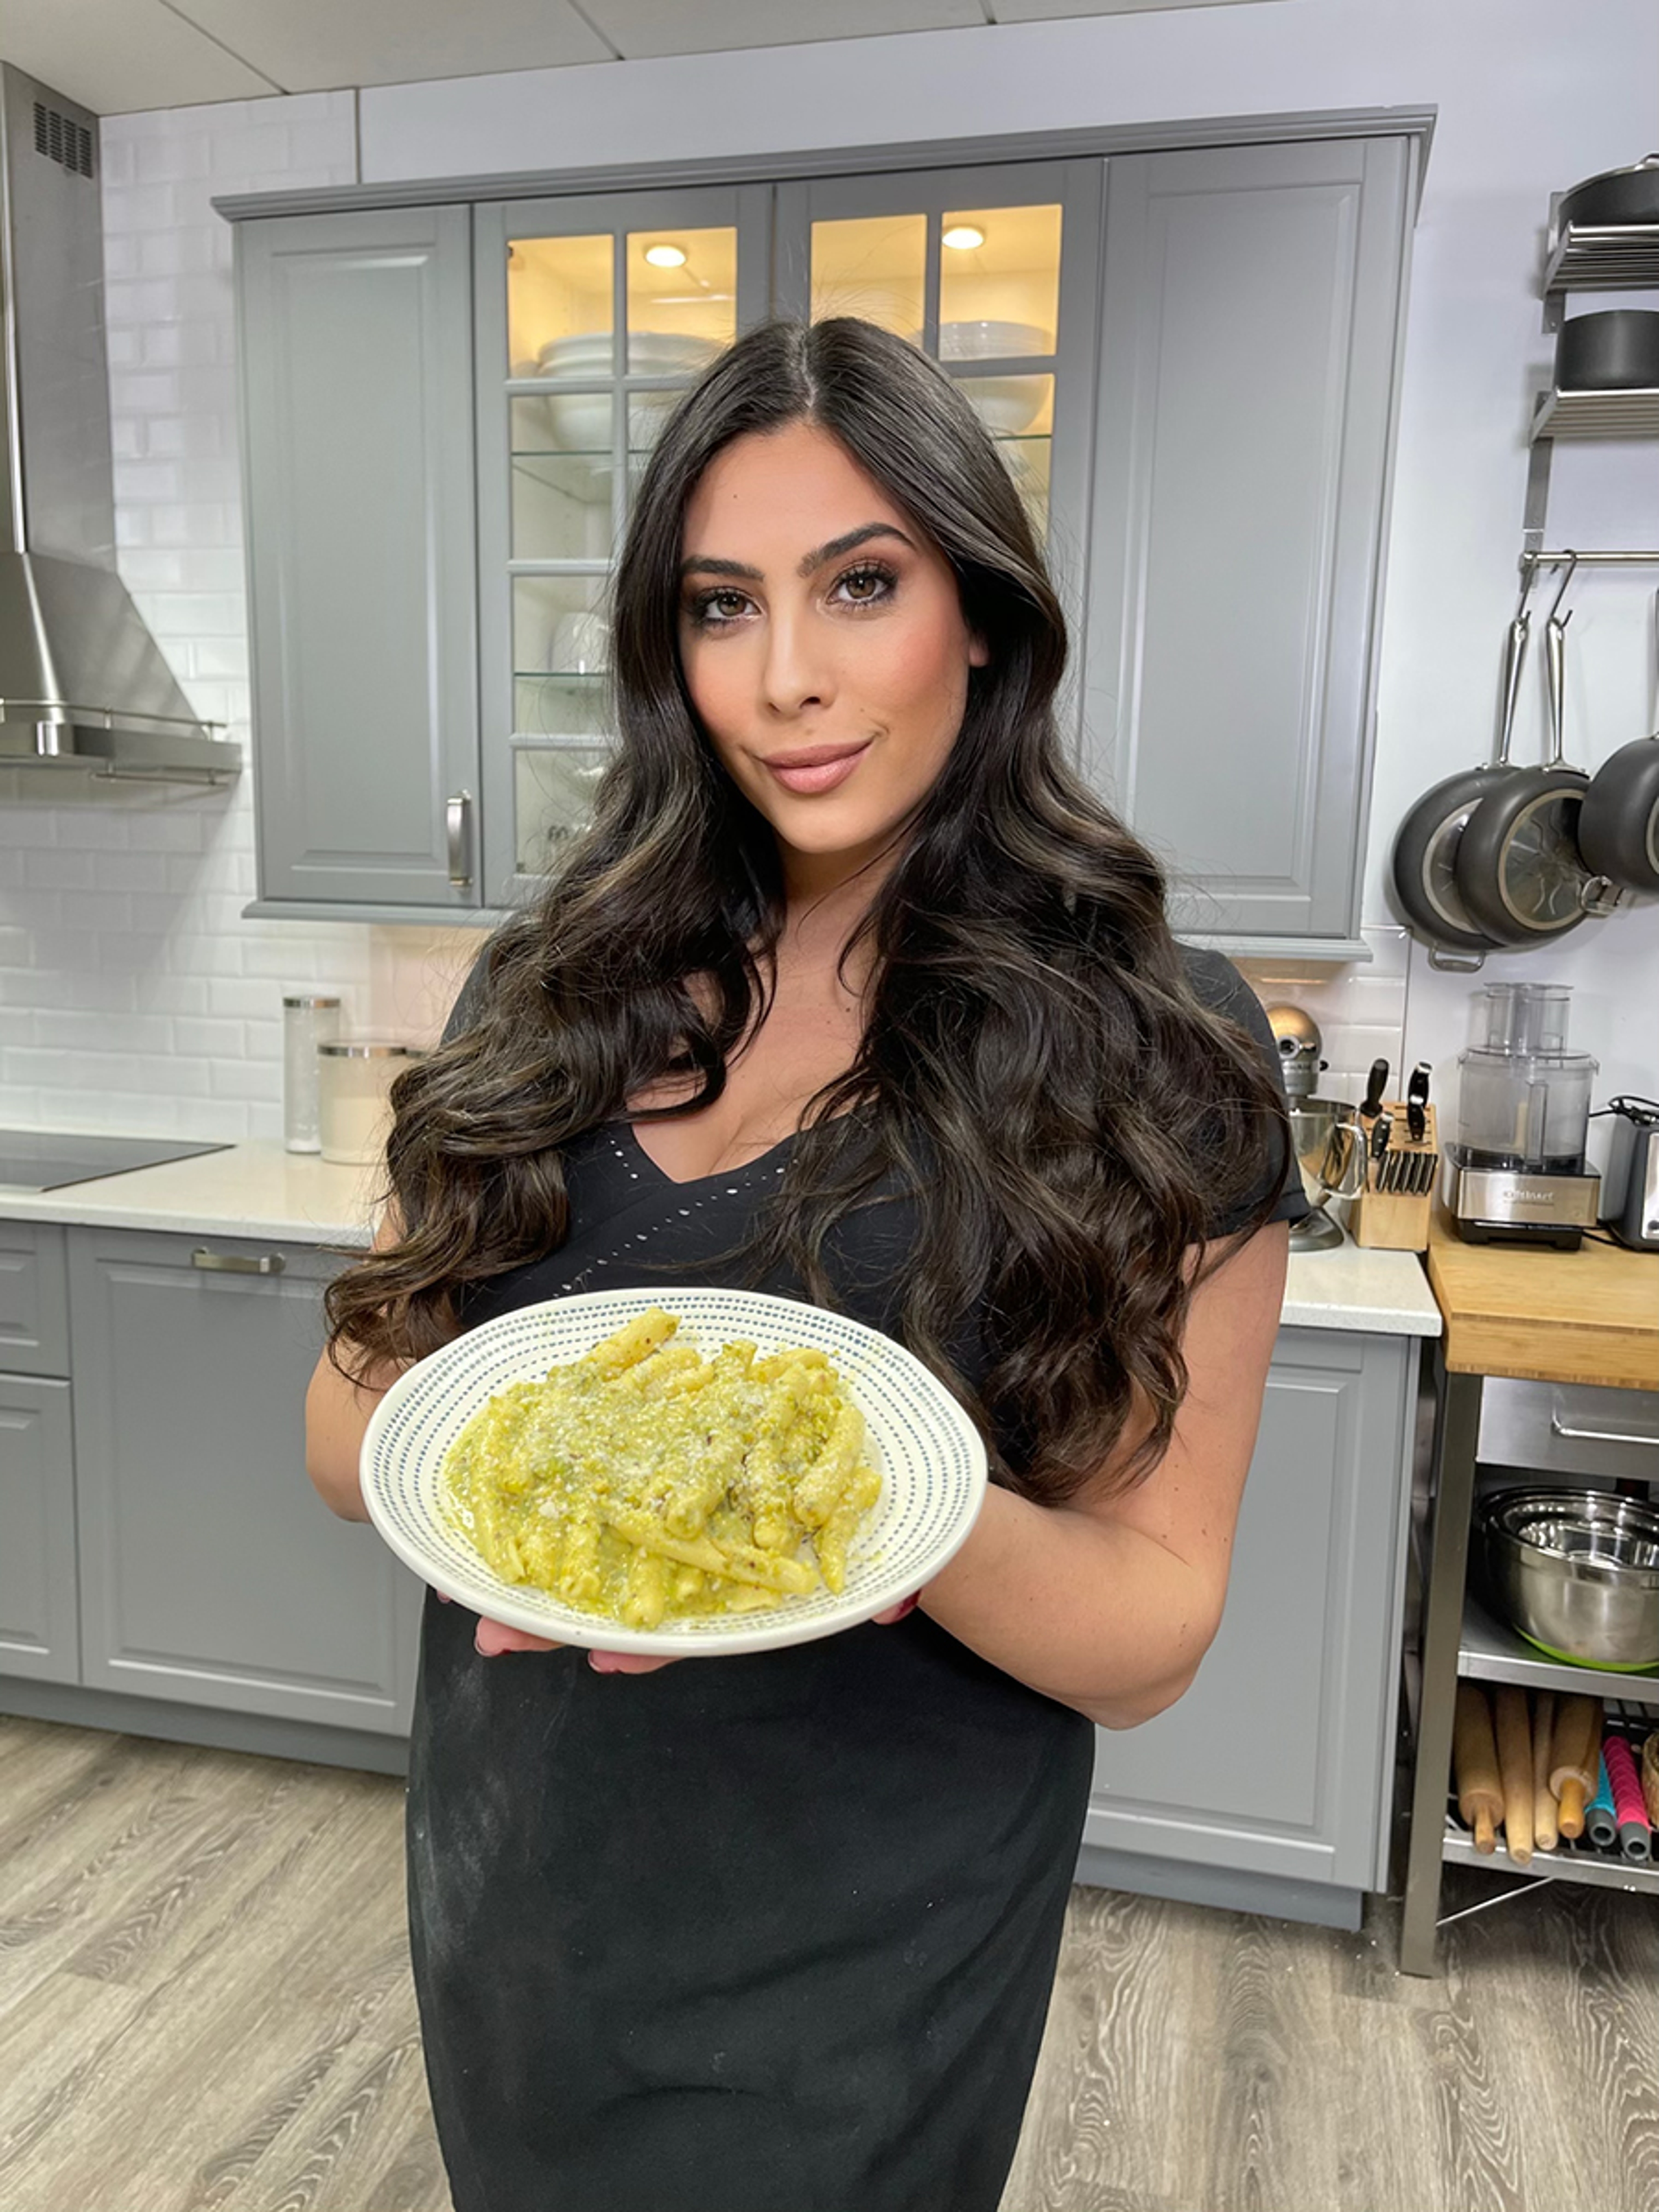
(1528, 578)
(1572, 562)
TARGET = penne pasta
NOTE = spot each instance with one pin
(644, 1482)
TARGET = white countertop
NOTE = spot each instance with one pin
(248, 1190)
(260, 1190)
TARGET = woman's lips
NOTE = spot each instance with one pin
(817, 767)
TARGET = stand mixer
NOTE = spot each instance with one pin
(1329, 1147)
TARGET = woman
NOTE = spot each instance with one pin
(854, 993)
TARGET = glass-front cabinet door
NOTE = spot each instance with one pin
(992, 272)
(594, 315)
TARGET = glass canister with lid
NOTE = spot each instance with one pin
(309, 1018)
(355, 1076)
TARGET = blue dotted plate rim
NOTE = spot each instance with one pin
(930, 1456)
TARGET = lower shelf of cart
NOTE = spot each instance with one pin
(1568, 1863)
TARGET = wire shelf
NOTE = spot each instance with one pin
(1610, 258)
(1578, 1862)
(1596, 415)
(1490, 1652)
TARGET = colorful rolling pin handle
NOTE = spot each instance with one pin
(1601, 1821)
(1635, 1834)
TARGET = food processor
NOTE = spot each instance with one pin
(1516, 1173)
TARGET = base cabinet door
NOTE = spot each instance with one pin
(38, 1607)
(1278, 1759)
(210, 1571)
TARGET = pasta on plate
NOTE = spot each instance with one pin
(644, 1483)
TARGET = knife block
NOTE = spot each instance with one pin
(1392, 1220)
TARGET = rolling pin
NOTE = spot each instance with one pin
(1575, 1759)
(1601, 1821)
(1514, 1770)
(1635, 1836)
(1543, 1798)
(1475, 1762)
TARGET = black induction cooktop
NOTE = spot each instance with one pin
(43, 1159)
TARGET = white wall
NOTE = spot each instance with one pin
(133, 994)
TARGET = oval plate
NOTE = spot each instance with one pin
(930, 1457)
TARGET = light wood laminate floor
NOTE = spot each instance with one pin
(205, 2006)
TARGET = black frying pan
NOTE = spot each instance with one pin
(1619, 821)
(1519, 869)
(1425, 845)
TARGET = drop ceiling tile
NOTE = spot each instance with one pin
(116, 57)
(641, 28)
(317, 46)
(1044, 11)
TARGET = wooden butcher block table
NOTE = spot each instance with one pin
(1585, 1317)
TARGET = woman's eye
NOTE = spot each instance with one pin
(716, 610)
(866, 587)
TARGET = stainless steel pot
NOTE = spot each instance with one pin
(1576, 1572)
(1330, 1151)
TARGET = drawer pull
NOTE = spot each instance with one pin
(236, 1263)
(1558, 1428)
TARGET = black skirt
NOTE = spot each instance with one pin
(774, 1933)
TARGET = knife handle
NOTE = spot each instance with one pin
(1417, 1097)
(1374, 1083)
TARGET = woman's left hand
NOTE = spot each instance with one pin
(494, 1638)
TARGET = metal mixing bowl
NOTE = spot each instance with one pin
(1576, 1572)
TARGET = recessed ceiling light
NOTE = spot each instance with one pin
(665, 257)
(963, 236)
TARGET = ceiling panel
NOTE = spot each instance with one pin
(639, 28)
(319, 45)
(1043, 11)
(116, 55)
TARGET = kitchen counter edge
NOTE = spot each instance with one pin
(260, 1190)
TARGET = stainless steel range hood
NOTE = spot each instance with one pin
(84, 685)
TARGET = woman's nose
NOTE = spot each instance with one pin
(797, 671)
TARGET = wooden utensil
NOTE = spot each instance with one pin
(1651, 1778)
(1575, 1760)
(1474, 1761)
(1514, 1770)
(1544, 1832)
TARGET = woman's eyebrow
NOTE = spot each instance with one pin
(837, 546)
(707, 565)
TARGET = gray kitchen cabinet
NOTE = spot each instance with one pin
(584, 344)
(211, 1573)
(1268, 1786)
(1251, 327)
(1196, 391)
(37, 1602)
(354, 340)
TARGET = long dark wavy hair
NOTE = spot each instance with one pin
(1036, 1071)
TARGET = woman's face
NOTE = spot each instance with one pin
(823, 644)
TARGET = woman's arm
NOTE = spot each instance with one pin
(338, 1411)
(1110, 1607)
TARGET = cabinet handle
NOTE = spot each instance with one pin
(458, 816)
(236, 1263)
(1558, 1428)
